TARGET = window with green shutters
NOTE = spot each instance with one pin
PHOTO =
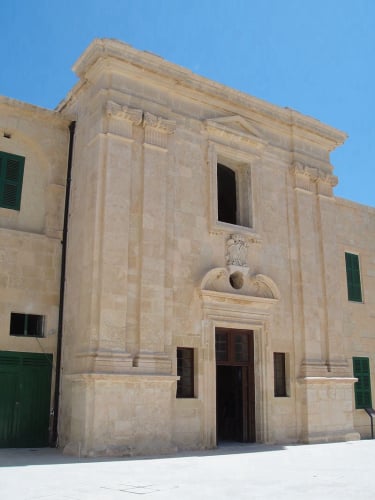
(11, 176)
(353, 277)
(362, 388)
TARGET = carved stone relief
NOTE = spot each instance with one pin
(122, 119)
(307, 176)
(237, 247)
(157, 130)
(118, 111)
(240, 282)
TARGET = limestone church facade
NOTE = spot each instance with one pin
(176, 269)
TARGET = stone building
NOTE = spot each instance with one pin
(173, 255)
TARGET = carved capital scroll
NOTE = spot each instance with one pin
(124, 119)
(118, 111)
(306, 176)
(157, 130)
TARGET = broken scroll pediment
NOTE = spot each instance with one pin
(237, 280)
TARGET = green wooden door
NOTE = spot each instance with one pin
(25, 390)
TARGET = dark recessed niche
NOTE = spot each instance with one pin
(236, 280)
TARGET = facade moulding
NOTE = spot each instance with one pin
(30, 110)
(157, 130)
(26, 234)
(115, 110)
(235, 129)
(102, 361)
(121, 119)
(247, 308)
(114, 135)
(117, 54)
(134, 376)
(306, 177)
(309, 129)
(219, 284)
(232, 151)
(224, 305)
(327, 380)
(353, 205)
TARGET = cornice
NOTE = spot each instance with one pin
(305, 127)
(355, 205)
(172, 74)
(25, 108)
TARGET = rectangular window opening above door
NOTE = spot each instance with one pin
(226, 194)
(26, 325)
(233, 191)
(185, 370)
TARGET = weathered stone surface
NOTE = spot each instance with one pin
(151, 268)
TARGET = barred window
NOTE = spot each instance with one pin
(279, 374)
(185, 370)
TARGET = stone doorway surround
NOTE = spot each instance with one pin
(232, 298)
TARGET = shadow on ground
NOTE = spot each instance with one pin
(23, 457)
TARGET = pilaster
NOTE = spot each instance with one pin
(310, 282)
(108, 354)
(152, 320)
(327, 386)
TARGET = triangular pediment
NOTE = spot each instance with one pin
(237, 124)
(236, 128)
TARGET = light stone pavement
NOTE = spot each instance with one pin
(324, 471)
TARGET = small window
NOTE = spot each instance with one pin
(26, 325)
(279, 374)
(226, 194)
(11, 176)
(353, 277)
(185, 370)
(362, 388)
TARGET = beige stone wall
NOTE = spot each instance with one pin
(149, 263)
(355, 230)
(30, 239)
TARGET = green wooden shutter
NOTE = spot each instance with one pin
(353, 277)
(25, 391)
(362, 388)
(11, 176)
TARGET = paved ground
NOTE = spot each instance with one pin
(325, 471)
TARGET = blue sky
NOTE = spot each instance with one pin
(315, 56)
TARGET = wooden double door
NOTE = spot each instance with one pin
(235, 391)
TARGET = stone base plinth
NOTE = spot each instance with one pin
(104, 361)
(158, 363)
(118, 415)
(327, 409)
